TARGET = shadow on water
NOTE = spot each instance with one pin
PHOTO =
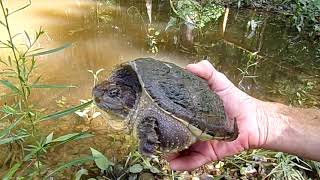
(270, 62)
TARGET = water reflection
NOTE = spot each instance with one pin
(104, 34)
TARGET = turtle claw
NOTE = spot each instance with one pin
(148, 136)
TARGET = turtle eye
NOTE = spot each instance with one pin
(114, 92)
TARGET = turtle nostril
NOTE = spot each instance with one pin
(97, 100)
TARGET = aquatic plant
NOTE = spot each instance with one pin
(21, 137)
(304, 14)
(194, 14)
(152, 40)
(26, 146)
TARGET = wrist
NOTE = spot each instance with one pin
(291, 130)
(271, 123)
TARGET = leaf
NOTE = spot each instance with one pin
(2, 23)
(19, 9)
(69, 164)
(12, 171)
(28, 38)
(11, 86)
(73, 136)
(52, 86)
(5, 44)
(99, 71)
(3, 62)
(133, 177)
(96, 114)
(136, 168)
(8, 110)
(65, 112)
(7, 73)
(154, 170)
(172, 22)
(101, 161)
(6, 130)
(37, 80)
(10, 139)
(316, 166)
(82, 113)
(49, 138)
(49, 51)
(16, 35)
(80, 173)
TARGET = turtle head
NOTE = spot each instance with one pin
(114, 98)
(119, 94)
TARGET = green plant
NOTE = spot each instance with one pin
(134, 166)
(306, 14)
(193, 13)
(90, 112)
(21, 134)
(265, 164)
(299, 92)
(249, 69)
(289, 167)
(152, 40)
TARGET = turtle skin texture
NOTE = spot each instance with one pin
(167, 107)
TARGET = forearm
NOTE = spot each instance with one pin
(292, 130)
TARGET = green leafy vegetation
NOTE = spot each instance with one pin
(21, 137)
(133, 167)
(305, 14)
(27, 145)
(152, 40)
(193, 13)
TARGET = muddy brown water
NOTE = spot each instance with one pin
(103, 34)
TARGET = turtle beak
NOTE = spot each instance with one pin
(96, 100)
(103, 101)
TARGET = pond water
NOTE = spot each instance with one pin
(286, 67)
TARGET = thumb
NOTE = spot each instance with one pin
(217, 81)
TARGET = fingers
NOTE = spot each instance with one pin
(197, 155)
(216, 80)
(204, 152)
(188, 162)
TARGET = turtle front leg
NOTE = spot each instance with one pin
(159, 131)
(147, 132)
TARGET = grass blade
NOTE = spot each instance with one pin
(316, 167)
(11, 86)
(10, 139)
(80, 173)
(8, 110)
(69, 164)
(71, 137)
(51, 86)
(12, 171)
(2, 23)
(7, 130)
(19, 9)
(3, 62)
(28, 38)
(49, 51)
(5, 44)
(65, 112)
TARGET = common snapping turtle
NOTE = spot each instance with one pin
(168, 107)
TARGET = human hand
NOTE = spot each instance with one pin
(237, 105)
